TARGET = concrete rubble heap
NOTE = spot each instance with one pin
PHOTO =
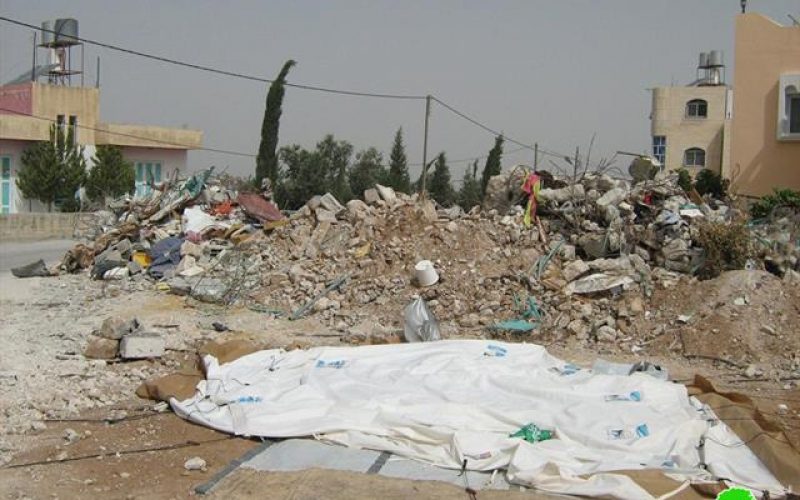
(603, 247)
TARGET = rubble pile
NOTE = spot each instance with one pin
(586, 271)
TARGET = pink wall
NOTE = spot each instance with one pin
(16, 98)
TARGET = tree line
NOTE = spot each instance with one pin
(297, 174)
(55, 170)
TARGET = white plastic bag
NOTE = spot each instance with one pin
(420, 323)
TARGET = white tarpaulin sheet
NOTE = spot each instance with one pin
(449, 401)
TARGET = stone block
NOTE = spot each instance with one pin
(142, 345)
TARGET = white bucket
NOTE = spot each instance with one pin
(425, 274)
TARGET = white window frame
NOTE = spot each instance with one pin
(788, 90)
(662, 147)
(694, 152)
(695, 103)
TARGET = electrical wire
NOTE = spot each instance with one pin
(223, 72)
(234, 74)
(134, 136)
(495, 132)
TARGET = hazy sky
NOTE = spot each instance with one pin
(546, 71)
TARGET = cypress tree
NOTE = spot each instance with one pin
(470, 193)
(440, 188)
(399, 178)
(267, 160)
(492, 166)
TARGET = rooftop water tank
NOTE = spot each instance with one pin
(48, 37)
(66, 32)
(715, 59)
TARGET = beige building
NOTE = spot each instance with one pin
(765, 149)
(690, 124)
(27, 111)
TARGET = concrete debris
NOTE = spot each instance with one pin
(142, 346)
(604, 246)
(195, 463)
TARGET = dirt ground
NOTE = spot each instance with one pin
(47, 387)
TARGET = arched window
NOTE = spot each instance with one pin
(697, 108)
(694, 157)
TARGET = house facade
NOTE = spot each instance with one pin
(765, 149)
(690, 127)
(28, 110)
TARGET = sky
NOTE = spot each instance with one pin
(552, 72)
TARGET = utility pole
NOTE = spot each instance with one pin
(536, 156)
(425, 143)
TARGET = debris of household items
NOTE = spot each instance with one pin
(32, 270)
(600, 245)
(616, 423)
(125, 339)
(529, 319)
(425, 273)
(420, 324)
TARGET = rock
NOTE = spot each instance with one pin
(323, 304)
(193, 249)
(470, 320)
(324, 215)
(428, 211)
(387, 193)
(783, 409)
(574, 270)
(70, 436)
(684, 318)
(568, 252)
(636, 306)
(101, 348)
(606, 334)
(195, 463)
(768, 330)
(330, 203)
(579, 328)
(620, 265)
(371, 196)
(357, 208)
(740, 301)
(597, 283)
(115, 328)
(575, 192)
(595, 245)
(142, 346)
(753, 371)
(612, 197)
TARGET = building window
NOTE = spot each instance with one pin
(697, 108)
(73, 128)
(147, 174)
(60, 122)
(794, 114)
(789, 108)
(694, 157)
(5, 185)
(660, 148)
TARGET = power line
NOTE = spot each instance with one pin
(353, 93)
(149, 139)
(219, 71)
(493, 131)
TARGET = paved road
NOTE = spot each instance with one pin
(21, 253)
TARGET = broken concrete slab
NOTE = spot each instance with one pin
(142, 346)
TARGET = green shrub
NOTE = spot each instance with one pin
(708, 182)
(779, 198)
(685, 179)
